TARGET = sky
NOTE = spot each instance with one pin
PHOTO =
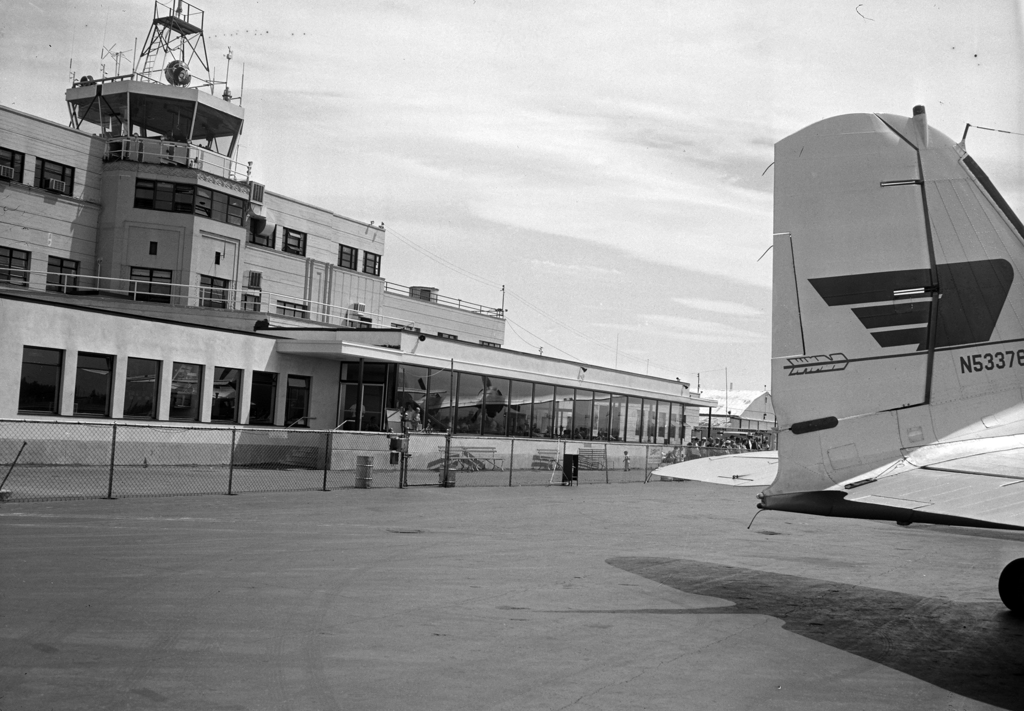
(607, 163)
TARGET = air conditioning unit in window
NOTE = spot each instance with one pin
(359, 307)
(6, 172)
(55, 186)
(255, 280)
(256, 193)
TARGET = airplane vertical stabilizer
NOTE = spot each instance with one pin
(898, 299)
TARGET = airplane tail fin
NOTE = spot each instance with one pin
(897, 297)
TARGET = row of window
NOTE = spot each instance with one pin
(49, 175)
(15, 265)
(191, 199)
(294, 242)
(469, 403)
(42, 370)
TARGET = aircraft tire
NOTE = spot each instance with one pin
(1011, 586)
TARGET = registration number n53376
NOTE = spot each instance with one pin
(992, 361)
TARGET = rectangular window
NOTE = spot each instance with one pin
(263, 399)
(14, 162)
(55, 177)
(93, 380)
(213, 292)
(348, 257)
(583, 415)
(14, 265)
(490, 344)
(470, 405)
(186, 389)
(294, 242)
(141, 387)
(262, 234)
(520, 409)
(151, 284)
(251, 302)
(296, 403)
(289, 308)
(227, 386)
(543, 411)
(564, 399)
(189, 199)
(371, 263)
(495, 411)
(40, 380)
(449, 336)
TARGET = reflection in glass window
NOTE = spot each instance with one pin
(227, 384)
(602, 409)
(520, 409)
(634, 420)
(439, 400)
(40, 380)
(470, 403)
(411, 395)
(563, 412)
(296, 403)
(663, 408)
(650, 422)
(186, 386)
(141, 385)
(583, 415)
(675, 424)
(92, 384)
(495, 413)
(263, 399)
(543, 410)
(617, 422)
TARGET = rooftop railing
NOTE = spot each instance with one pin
(417, 293)
(158, 151)
(199, 296)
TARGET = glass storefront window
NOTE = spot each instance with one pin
(563, 412)
(663, 408)
(520, 406)
(617, 419)
(411, 395)
(439, 400)
(186, 386)
(650, 421)
(602, 412)
(296, 403)
(634, 420)
(263, 399)
(583, 415)
(495, 412)
(40, 380)
(470, 404)
(675, 424)
(227, 384)
(543, 410)
(142, 383)
(92, 384)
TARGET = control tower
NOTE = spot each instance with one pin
(167, 109)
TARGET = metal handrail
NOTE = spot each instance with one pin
(193, 296)
(401, 290)
(161, 151)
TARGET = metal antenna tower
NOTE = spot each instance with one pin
(175, 46)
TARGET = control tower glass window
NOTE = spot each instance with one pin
(294, 242)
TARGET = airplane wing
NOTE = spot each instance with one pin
(969, 483)
(746, 469)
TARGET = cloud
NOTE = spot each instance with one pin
(730, 308)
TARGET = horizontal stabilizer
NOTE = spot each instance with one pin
(747, 469)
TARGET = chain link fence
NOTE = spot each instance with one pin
(49, 460)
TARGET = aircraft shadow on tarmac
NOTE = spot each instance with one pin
(972, 649)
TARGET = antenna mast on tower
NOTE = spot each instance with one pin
(175, 46)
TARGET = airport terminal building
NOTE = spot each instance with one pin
(145, 275)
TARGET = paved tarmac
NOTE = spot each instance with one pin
(597, 597)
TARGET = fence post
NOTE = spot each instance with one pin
(231, 463)
(447, 457)
(327, 458)
(113, 451)
(511, 459)
(607, 478)
(647, 456)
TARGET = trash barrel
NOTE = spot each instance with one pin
(364, 472)
(570, 469)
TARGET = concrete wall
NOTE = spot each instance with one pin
(73, 330)
(433, 318)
